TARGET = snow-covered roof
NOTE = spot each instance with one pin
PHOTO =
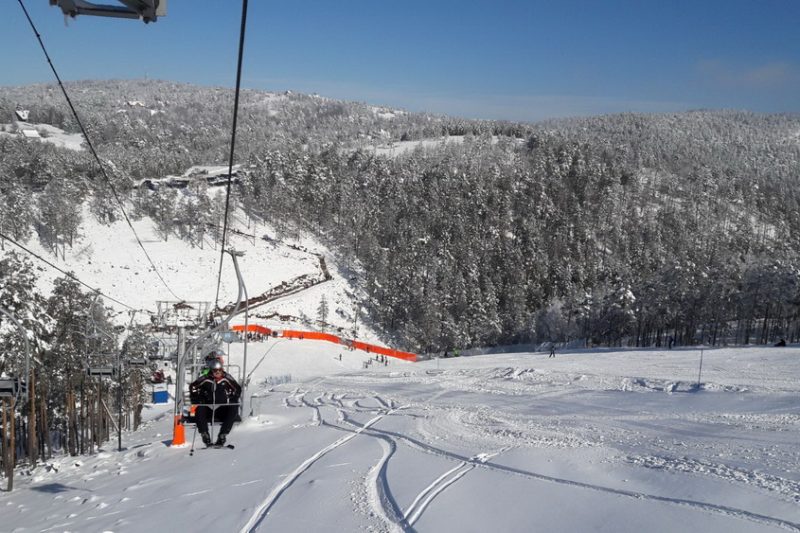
(213, 174)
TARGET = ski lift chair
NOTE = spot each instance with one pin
(146, 10)
(188, 415)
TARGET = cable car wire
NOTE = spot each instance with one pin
(68, 274)
(233, 145)
(94, 153)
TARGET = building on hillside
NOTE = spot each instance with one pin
(30, 133)
(22, 114)
(216, 176)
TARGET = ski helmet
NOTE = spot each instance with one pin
(215, 364)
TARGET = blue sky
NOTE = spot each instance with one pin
(500, 59)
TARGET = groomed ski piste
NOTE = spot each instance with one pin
(589, 441)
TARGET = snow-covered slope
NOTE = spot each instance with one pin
(44, 133)
(108, 258)
(588, 441)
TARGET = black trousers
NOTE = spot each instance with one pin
(224, 413)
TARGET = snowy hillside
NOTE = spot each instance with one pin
(108, 258)
(588, 441)
(43, 133)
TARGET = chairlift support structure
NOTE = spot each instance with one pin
(116, 369)
(20, 387)
(146, 10)
(213, 336)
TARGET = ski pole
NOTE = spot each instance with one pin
(213, 412)
(194, 435)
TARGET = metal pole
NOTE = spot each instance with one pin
(701, 368)
(120, 396)
(12, 458)
(242, 296)
(180, 371)
(119, 403)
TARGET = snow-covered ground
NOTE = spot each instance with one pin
(401, 147)
(397, 148)
(46, 133)
(588, 441)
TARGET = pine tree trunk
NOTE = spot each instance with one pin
(4, 437)
(12, 444)
(84, 407)
(72, 422)
(44, 437)
(92, 429)
(33, 454)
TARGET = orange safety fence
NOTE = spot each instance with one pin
(255, 328)
(316, 335)
(313, 335)
(371, 348)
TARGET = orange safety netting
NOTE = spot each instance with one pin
(316, 335)
(255, 328)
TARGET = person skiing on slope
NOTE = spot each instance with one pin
(217, 392)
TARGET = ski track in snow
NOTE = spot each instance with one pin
(427, 495)
(262, 510)
(468, 463)
(704, 506)
(380, 495)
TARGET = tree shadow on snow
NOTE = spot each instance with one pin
(55, 488)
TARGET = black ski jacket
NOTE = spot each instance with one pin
(206, 389)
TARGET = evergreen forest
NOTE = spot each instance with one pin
(621, 230)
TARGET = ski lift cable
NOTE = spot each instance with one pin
(69, 275)
(249, 375)
(91, 148)
(233, 145)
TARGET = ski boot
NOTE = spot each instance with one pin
(206, 438)
(220, 440)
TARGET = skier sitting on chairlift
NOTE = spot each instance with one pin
(216, 391)
(213, 355)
